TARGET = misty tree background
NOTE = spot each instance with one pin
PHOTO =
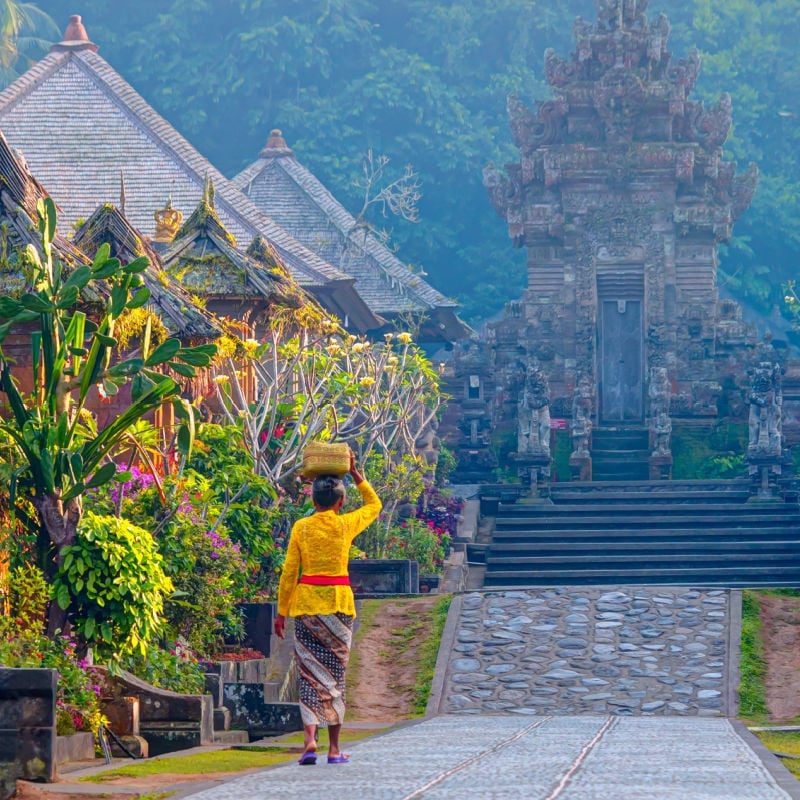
(424, 82)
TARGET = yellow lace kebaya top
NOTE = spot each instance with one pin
(321, 545)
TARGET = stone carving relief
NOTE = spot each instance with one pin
(582, 412)
(530, 130)
(709, 127)
(617, 99)
(617, 14)
(618, 228)
(765, 419)
(659, 393)
(505, 194)
(559, 72)
(534, 415)
(683, 76)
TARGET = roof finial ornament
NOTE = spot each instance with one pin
(168, 222)
(276, 145)
(75, 37)
(209, 192)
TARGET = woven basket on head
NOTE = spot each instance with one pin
(321, 458)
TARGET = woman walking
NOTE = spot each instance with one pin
(315, 590)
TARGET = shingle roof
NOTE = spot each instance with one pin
(172, 301)
(205, 258)
(79, 124)
(286, 190)
(19, 194)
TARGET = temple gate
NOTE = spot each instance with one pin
(620, 198)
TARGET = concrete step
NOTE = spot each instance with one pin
(627, 472)
(644, 534)
(655, 507)
(231, 737)
(570, 549)
(610, 438)
(704, 581)
(562, 497)
(681, 533)
(633, 487)
(657, 561)
(770, 575)
(639, 520)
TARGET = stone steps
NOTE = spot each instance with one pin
(592, 538)
(609, 497)
(689, 534)
(638, 520)
(620, 454)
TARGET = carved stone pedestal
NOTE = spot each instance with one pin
(534, 471)
(661, 467)
(580, 467)
(765, 472)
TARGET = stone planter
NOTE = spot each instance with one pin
(380, 577)
(489, 505)
(257, 625)
(75, 747)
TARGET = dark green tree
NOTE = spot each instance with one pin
(425, 82)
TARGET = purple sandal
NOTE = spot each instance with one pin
(307, 759)
(340, 759)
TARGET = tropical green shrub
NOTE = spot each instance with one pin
(23, 644)
(113, 577)
(419, 541)
(398, 482)
(176, 669)
(250, 504)
(52, 444)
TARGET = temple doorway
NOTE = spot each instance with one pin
(621, 348)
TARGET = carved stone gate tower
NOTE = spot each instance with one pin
(620, 198)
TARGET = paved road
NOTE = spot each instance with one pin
(517, 757)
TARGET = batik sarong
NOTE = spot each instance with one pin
(322, 650)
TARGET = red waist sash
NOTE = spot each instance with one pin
(326, 580)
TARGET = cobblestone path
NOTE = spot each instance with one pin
(627, 651)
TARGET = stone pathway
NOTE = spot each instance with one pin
(547, 758)
(628, 651)
(563, 694)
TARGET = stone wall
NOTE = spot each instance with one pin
(27, 727)
(168, 721)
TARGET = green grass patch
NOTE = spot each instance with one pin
(753, 667)
(346, 735)
(783, 742)
(215, 761)
(429, 652)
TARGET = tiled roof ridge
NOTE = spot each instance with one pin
(268, 286)
(172, 298)
(265, 286)
(147, 119)
(346, 222)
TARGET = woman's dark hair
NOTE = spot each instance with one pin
(327, 490)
